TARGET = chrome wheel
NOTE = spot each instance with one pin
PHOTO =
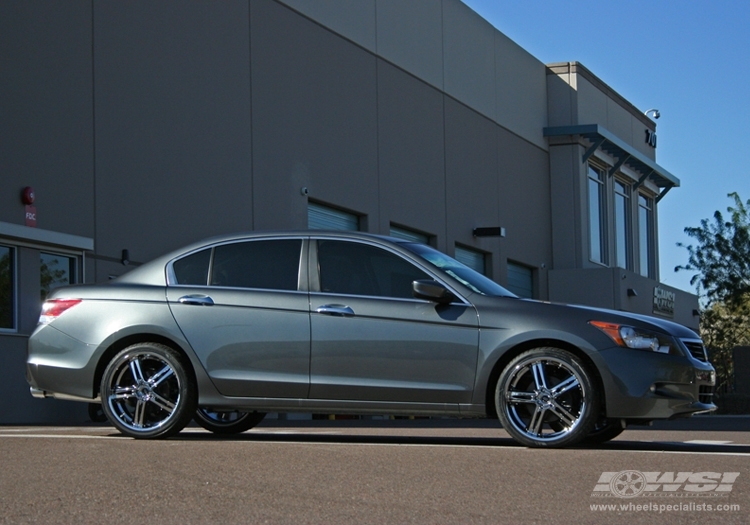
(545, 398)
(227, 421)
(147, 391)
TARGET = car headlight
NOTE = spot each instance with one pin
(638, 338)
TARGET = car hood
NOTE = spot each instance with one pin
(505, 312)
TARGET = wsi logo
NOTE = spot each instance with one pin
(633, 483)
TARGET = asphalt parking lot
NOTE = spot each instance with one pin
(420, 471)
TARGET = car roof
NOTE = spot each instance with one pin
(153, 272)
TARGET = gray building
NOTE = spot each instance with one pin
(142, 126)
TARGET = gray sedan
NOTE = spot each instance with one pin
(234, 327)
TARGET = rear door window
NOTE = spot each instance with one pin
(268, 264)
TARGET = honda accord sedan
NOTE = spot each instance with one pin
(228, 329)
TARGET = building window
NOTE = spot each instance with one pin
(321, 217)
(520, 280)
(471, 258)
(645, 236)
(622, 225)
(409, 235)
(55, 271)
(7, 288)
(597, 217)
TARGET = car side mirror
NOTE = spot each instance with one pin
(430, 290)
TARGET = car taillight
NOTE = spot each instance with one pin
(53, 308)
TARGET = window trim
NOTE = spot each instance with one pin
(314, 271)
(601, 182)
(532, 274)
(332, 211)
(484, 255)
(409, 234)
(171, 278)
(650, 241)
(74, 273)
(627, 196)
(13, 329)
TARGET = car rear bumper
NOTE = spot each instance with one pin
(59, 366)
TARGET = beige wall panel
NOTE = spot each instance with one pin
(562, 101)
(569, 215)
(524, 200)
(521, 88)
(46, 129)
(172, 101)
(639, 139)
(352, 19)
(472, 184)
(469, 57)
(314, 119)
(410, 35)
(592, 104)
(619, 121)
(410, 153)
(592, 287)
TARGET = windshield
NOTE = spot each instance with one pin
(462, 273)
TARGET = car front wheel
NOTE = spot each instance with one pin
(604, 430)
(148, 392)
(227, 421)
(546, 397)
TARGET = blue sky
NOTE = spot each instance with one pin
(689, 59)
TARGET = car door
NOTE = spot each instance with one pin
(249, 321)
(373, 341)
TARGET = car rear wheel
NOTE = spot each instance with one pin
(227, 421)
(148, 392)
(546, 397)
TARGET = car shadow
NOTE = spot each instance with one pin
(338, 437)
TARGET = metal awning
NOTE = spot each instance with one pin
(623, 153)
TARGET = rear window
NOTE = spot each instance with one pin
(193, 269)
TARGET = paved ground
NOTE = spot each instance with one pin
(423, 471)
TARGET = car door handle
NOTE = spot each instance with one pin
(196, 299)
(338, 310)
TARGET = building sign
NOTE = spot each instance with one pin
(664, 302)
(651, 138)
(30, 213)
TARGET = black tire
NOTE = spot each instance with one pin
(148, 391)
(546, 397)
(96, 413)
(227, 421)
(604, 430)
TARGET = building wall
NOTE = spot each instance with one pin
(146, 125)
(577, 96)
(172, 127)
(315, 118)
(411, 147)
(450, 47)
(608, 288)
(46, 129)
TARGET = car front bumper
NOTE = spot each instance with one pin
(646, 385)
